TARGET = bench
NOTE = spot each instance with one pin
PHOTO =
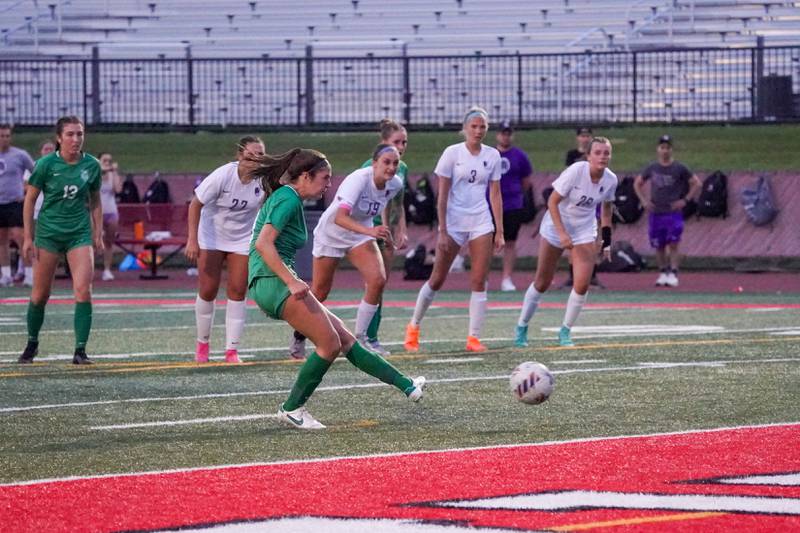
(155, 217)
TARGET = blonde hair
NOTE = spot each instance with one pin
(389, 127)
(475, 111)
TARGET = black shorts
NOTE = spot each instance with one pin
(11, 215)
(512, 220)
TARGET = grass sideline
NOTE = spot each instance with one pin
(729, 148)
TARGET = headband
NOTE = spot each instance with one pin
(384, 150)
(476, 113)
(318, 165)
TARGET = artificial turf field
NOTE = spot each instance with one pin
(662, 366)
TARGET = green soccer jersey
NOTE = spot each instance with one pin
(284, 210)
(67, 189)
(397, 201)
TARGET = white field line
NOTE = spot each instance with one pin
(653, 366)
(185, 422)
(785, 330)
(399, 454)
(578, 362)
(452, 360)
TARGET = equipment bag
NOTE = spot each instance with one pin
(713, 201)
(414, 266)
(129, 193)
(758, 203)
(627, 207)
(420, 203)
(158, 192)
(528, 206)
(623, 259)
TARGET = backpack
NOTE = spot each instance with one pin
(713, 201)
(623, 259)
(420, 203)
(627, 207)
(528, 206)
(158, 192)
(414, 267)
(758, 202)
(129, 193)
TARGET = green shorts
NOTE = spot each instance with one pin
(62, 243)
(270, 293)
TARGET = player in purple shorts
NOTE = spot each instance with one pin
(672, 184)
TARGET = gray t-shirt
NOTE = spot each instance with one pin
(13, 164)
(668, 184)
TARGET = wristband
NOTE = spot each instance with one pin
(605, 233)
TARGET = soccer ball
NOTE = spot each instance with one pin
(531, 383)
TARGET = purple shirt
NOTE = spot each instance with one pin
(515, 167)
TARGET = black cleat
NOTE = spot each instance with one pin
(31, 349)
(80, 357)
(594, 282)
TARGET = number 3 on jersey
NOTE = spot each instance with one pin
(473, 174)
(70, 191)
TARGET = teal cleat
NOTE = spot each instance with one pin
(564, 338)
(521, 336)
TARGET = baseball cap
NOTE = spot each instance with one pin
(665, 139)
(506, 126)
(583, 130)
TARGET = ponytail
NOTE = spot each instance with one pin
(277, 170)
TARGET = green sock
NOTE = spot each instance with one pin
(82, 323)
(308, 378)
(372, 330)
(35, 319)
(376, 366)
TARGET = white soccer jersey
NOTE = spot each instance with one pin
(229, 210)
(581, 198)
(365, 200)
(467, 207)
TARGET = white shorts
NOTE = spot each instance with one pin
(462, 237)
(324, 250)
(227, 247)
(579, 236)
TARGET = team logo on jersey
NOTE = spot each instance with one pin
(601, 189)
(485, 164)
(257, 191)
(505, 165)
(84, 175)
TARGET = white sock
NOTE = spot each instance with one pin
(424, 301)
(477, 313)
(364, 317)
(235, 315)
(529, 304)
(574, 305)
(29, 274)
(204, 317)
(5, 271)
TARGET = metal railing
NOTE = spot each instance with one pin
(693, 85)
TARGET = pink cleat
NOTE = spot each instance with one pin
(232, 356)
(201, 354)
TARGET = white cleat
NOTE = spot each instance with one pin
(418, 389)
(6, 281)
(107, 275)
(300, 418)
(672, 280)
(662, 279)
(378, 348)
(507, 285)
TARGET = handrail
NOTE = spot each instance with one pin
(32, 22)
(586, 34)
(669, 10)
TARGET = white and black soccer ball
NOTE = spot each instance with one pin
(531, 383)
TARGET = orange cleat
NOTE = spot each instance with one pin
(474, 345)
(411, 343)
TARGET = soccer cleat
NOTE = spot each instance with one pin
(415, 391)
(80, 357)
(6, 281)
(378, 348)
(672, 279)
(474, 345)
(594, 282)
(300, 418)
(564, 337)
(661, 281)
(107, 275)
(31, 349)
(27, 282)
(19, 276)
(507, 285)
(232, 356)
(297, 348)
(411, 342)
(521, 336)
(201, 352)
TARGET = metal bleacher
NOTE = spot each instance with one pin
(573, 58)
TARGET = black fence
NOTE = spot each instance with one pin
(696, 85)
